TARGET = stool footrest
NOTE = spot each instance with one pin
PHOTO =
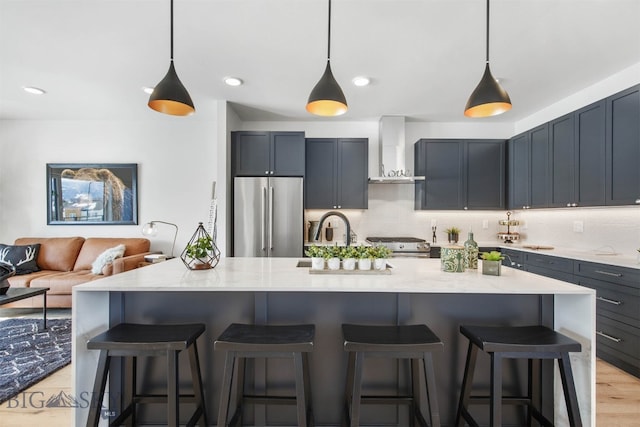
(273, 400)
(506, 400)
(162, 398)
(387, 400)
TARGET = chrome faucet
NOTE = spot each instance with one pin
(346, 222)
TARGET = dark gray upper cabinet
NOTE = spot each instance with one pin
(268, 153)
(529, 169)
(336, 173)
(577, 157)
(623, 147)
(460, 174)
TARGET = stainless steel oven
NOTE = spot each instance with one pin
(405, 247)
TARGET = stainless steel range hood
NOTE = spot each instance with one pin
(391, 154)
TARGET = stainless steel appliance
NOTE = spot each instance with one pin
(409, 247)
(267, 217)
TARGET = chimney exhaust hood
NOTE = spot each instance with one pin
(391, 153)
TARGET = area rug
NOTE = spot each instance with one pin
(28, 354)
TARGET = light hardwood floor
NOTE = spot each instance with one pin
(617, 396)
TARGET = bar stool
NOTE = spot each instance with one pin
(130, 341)
(520, 342)
(415, 342)
(242, 341)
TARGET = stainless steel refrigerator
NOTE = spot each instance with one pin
(267, 217)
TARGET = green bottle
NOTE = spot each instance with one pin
(471, 253)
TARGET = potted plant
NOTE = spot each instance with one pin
(332, 255)
(316, 253)
(380, 255)
(200, 251)
(453, 234)
(492, 263)
(364, 257)
(349, 255)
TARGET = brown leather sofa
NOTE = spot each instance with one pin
(66, 261)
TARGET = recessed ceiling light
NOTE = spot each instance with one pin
(147, 90)
(34, 90)
(361, 81)
(232, 81)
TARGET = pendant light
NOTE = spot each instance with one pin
(170, 96)
(489, 98)
(327, 98)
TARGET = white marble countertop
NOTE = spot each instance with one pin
(281, 275)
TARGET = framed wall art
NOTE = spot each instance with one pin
(92, 194)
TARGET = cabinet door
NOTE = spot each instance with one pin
(444, 174)
(321, 171)
(562, 161)
(287, 153)
(485, 174)
(519, 172)
(623, 148)
(590, 155)
(352, 181)
(539, 167)
(250, 153)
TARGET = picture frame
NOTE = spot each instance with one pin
(92, 193)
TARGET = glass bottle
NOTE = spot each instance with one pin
(471, 253)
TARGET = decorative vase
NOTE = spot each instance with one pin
(364, 264)
(349, 263)
(491, 268)
(380, 264)
(201, 252)
(471, 253)
(317, 263)
(452, 259)
(453, 237)
(333, 263)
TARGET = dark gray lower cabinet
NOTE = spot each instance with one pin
(460, 174)
(336, 173)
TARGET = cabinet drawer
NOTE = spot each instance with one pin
(550, 262)
(554, 274)
(616, 300)
(619, 275)
(618, 338)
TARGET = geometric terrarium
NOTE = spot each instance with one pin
(201, 252)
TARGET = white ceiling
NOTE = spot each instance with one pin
(424, 56)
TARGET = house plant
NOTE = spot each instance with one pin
(492, 263)
(349, 255)
(316, 253)
(201, 253)
(364, 257)
(380, 255)
(332, 255)
(453, 234)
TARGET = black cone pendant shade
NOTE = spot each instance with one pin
(488, 98)
(170, 96)
(327, 98)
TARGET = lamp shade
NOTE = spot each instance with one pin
(488, 99)
(327, 98)
(170, 96)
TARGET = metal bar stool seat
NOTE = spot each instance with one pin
(414, 342)
(130, 341)
(533, 343)
(242, 341)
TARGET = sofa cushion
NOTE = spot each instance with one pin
(107, 257)
(23, 258)
(56, 253)
(94, 246)
(61, 283)
(24, 281)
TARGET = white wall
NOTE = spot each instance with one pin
(176, 159)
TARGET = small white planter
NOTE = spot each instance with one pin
(349, 263)
(380, 264)
(317, 263)
(364, 264)
(333, 263)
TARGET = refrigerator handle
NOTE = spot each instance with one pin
(263, 221)
(271, 202)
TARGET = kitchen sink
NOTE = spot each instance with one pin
(304, 263)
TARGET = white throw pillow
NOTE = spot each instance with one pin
(107, 257)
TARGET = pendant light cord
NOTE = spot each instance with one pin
(172, 30)
(487, 31)
(328, 35)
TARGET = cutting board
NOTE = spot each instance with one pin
(537, 247)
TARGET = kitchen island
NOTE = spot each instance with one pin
(274, 290)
